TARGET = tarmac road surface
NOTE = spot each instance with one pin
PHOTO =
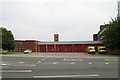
(59, 66)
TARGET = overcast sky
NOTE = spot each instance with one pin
(73, 20)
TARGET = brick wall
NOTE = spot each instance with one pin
(22, 45)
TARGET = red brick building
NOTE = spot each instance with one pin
(66, 46)
(22, 45)
(55, 46)
(97, 37)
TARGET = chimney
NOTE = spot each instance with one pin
(94, 37)
(56, 37)
(101, 27)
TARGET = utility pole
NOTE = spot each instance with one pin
(118, 9)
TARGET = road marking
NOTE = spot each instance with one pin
(72, 60)
(4, 64)
(38, 62)
(81, 60)
(113, 60)
(44, 59)
(64, 59)
(73, 63)
(24, 65)
(106, 63)
(17, 71)
(90, 63)
(66, 76)
(106, 59)
(21, 62)
(55, 62)
(28, 65)
(0, 78)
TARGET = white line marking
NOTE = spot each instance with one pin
(90, 63)
(72, 59)
(81, 60)
(55, 62)
(106, 63)
(106, 59)
(4, 64)
(73, 63)
(10, 71)
(115, 60)
(63, 76)
(24, 65)
(38, 62)
(21, 62)
(64, 59)
(44, 59)
(29, 65)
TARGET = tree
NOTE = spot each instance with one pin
(111, 35)
(0, 39)
(7, 39)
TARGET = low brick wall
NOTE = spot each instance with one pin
(113, 50)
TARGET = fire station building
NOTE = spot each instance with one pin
(67, 46)
(55, 46)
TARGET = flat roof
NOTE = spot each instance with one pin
(26, 40)
(69, 42)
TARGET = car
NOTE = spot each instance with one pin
(27, 51)
(91, 49)
(102, 50)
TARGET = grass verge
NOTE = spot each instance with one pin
(118, 54)
(10, 53)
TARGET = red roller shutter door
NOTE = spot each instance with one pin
(79, 48)
(70, 48)
(75, 48)
(59, 48)
(66, 48)
(42, 48)
(85, 47)
(50, 48)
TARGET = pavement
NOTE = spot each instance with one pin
(67, 55)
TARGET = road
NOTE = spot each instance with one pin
(61, 66)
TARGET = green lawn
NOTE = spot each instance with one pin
(10, 53)
(115, 54)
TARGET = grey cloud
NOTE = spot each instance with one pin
(72, 19)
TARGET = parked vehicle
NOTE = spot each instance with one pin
(27, 51)
(91, 50)
(102, 50)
